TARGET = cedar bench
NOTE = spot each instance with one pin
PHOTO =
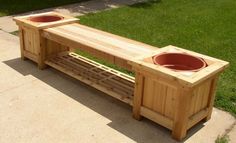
(175, 100)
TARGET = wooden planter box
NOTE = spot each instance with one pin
(176, 100)
(31, 39)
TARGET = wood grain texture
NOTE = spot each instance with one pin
(31, 41)
(98, 42)
(215, 66)
(199, 98)
(181, 120)
(138, 95)
(21, 36)
(172, 105)
(211, 97)
(175, 100)
(24, 21)
(162, 120)
(105, 79)
(159, 97)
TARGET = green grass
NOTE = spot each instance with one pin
(16, 33)
(101, 61)
(204, 26)
(222, 139)
(8, 7)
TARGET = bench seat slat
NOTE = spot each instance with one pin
(102, 41)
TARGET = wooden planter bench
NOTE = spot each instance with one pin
(175, 100)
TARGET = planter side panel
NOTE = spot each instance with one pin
(30, 40)
(160, 97)
(53, 48)
(199, 98)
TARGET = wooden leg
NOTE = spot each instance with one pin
(138, 96)
(42, 51)
(42, 66)
(180, 126)
(23, 57)
(21, 35)
(211, 98)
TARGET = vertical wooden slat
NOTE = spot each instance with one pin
(33, 42)
(22, 45)
(155, 96)
(206, 95)
(181, 114)
(163, 99)
(148, 92)
(138, 93)
(41, 48)
(26, 40)
(169, 103)
(198, 96)
(192, 100)
(211, 97)
(201, 96)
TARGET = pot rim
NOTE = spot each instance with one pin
(51, 15)
(185, 54)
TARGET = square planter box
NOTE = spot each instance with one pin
(175, 99)
(30, 29)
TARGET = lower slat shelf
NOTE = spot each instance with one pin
(105, 79)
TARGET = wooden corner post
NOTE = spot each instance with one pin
(41, 43)
(180, 124)
(211, 97)
(138, 93)
(21, 35)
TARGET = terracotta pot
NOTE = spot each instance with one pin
(179, 61)
(45, 18)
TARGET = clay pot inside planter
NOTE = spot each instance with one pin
(45, 18)
(179, 62)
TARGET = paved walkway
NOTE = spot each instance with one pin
(232, 133)
(7, 24)
(47, 106)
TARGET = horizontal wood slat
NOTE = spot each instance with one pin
(96, 75)
(154, 116)
(73, 34)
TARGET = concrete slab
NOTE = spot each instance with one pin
(12, 67)
(219, 123)
(8, 25)
(232, 134)
(11, 78)
(60, 109)
(9, 47)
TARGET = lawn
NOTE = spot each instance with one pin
(8, 7)
(204, 26)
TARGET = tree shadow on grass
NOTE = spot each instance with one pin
(145, 5)
(15, 7)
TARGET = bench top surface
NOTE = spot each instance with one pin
(101, 41)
